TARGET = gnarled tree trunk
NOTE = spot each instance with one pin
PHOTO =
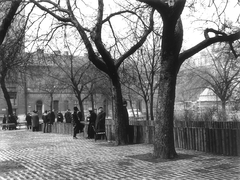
(120, 122)
(6, 95)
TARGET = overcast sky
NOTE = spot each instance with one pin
(193, 30)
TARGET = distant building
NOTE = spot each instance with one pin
(31, 95)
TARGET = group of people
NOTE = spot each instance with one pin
(10, 119)
(96, 121)
(32, 120)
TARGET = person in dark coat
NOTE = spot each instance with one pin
(100, 121)
(59, 117)
(130, 129)
(52, 117)
(68, 116)
(81, 125)
(45, 120)
(92, 120)
(35, 121)
(75, 122)
(49, 117)
(29, 120)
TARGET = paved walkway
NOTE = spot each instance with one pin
(37, 155)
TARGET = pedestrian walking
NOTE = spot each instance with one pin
(35, 121)
(75, 122)
(29, 121)
(68, 116)
(92, 120)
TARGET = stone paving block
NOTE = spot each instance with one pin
(47, 156)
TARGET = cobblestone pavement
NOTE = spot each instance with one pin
(44, 156)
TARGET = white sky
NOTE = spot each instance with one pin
(192, 32)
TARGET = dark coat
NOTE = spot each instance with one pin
(75, 120)
(92, 120)
(68, 117)
(35, 120)
(100, 122)
(28, 119)
(52, 117)
(4, 120)
(59, 117)
(45, 118)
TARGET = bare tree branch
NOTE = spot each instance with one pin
(6, 23)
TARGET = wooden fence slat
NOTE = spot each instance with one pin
(230, 141)
(223, 141)
(214, 137)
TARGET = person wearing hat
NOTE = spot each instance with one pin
(75, 122)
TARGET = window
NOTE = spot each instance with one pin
(13, 97)
(65, 104)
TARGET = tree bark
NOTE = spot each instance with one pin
(6, 22)
(120, 122)
(6, 96)
(164, 139)
(224, 110)
(171, 44)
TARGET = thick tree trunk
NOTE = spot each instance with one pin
(80, 103)
(164, 139)
(224, 114)
(171, 45)
(6, 96)
(92, 101)
(147, 109)
(120, 122)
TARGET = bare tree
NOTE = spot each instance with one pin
(221, 73)
(9, 10)
(67, 13)
(11, 42)
(77, 75)
(170, 62)
(141, 73)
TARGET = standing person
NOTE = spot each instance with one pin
(92, 120)
(68, 116)
(29, 120)
(35, 121)
(130, 129)
(45, 121)
(49, 117)
(59, 117)
(52, 117)
(100, 121)
(4, 122)
(75, 122)
(81, 126)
